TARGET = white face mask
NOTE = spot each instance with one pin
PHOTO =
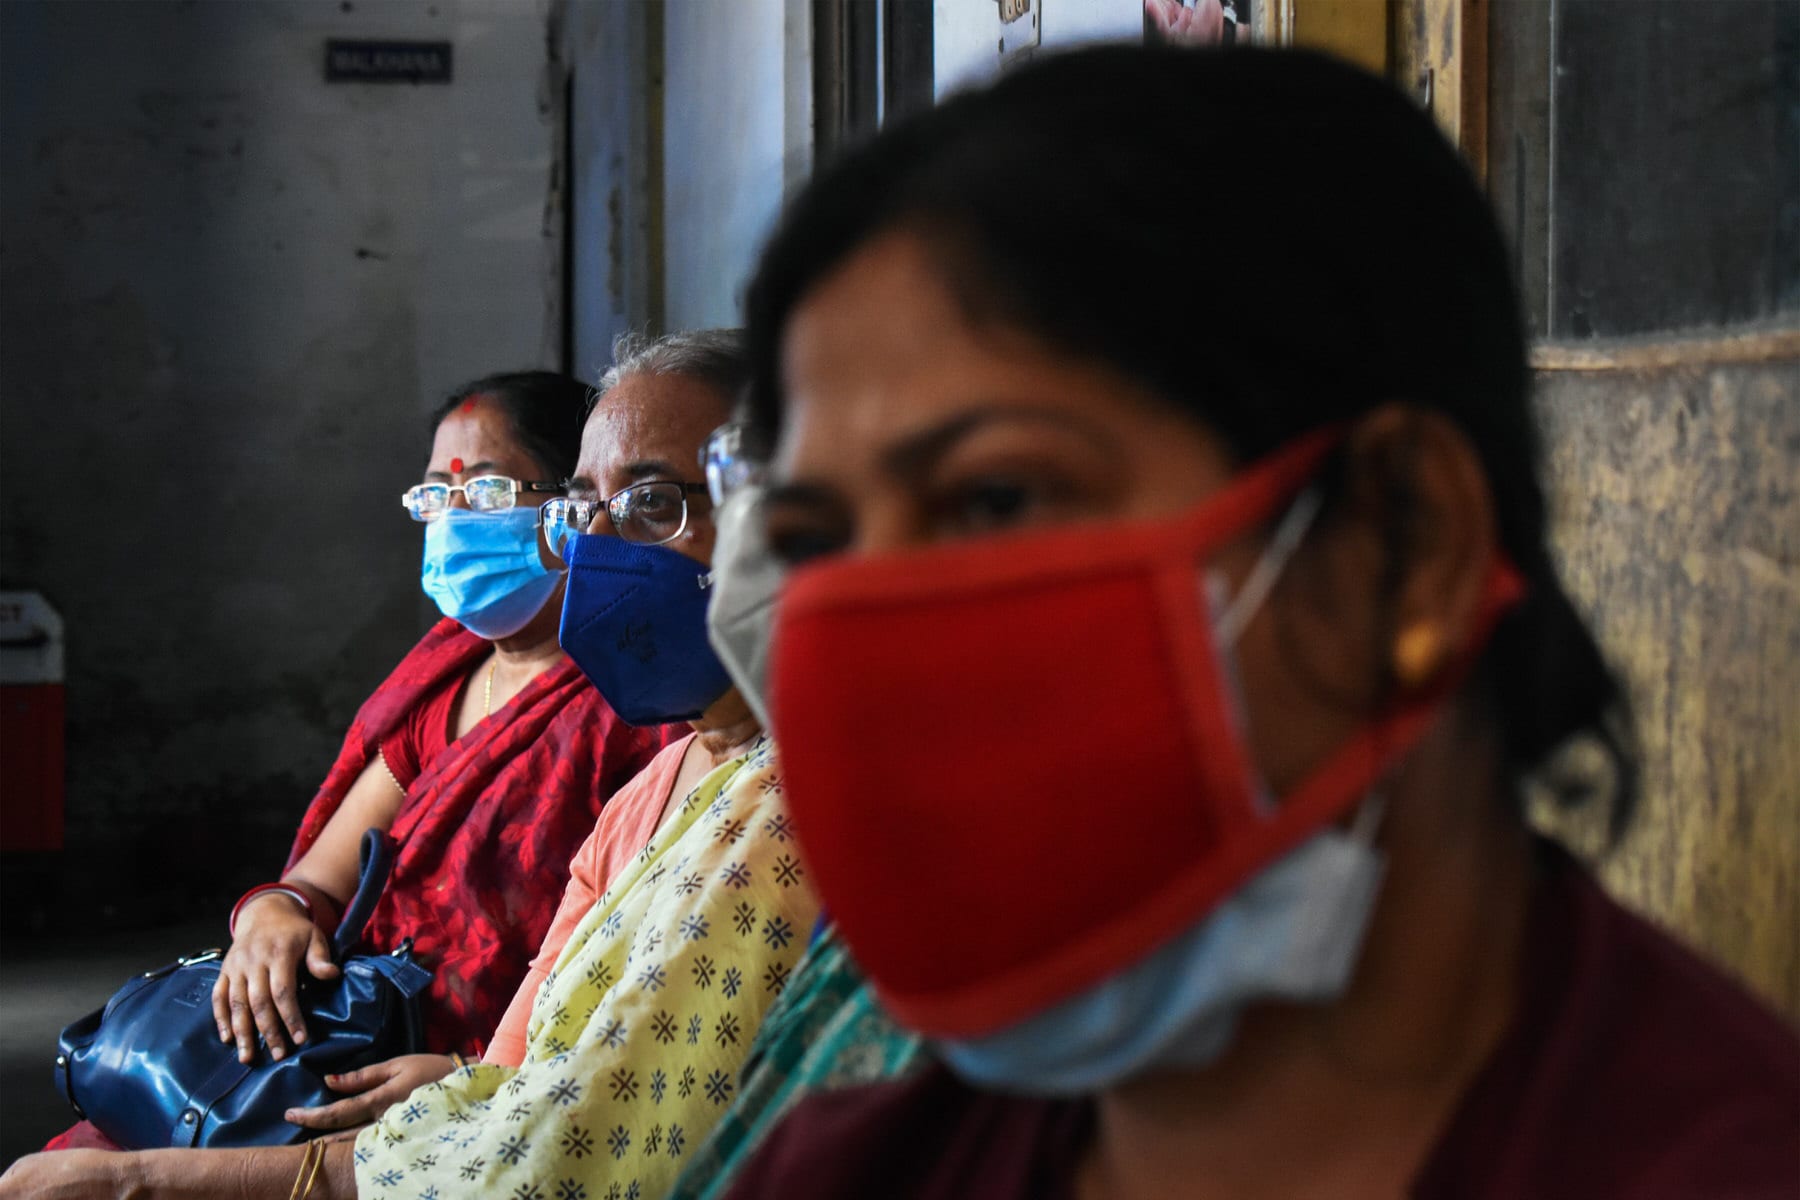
(745, 581)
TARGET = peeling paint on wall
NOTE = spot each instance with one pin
(1677, 489)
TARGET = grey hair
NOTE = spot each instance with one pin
(713, 356)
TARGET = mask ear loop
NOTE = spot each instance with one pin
(1288, 534)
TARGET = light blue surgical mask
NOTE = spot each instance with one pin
(1293, 932)
(484, 571)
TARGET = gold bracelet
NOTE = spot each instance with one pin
(308, 1175)
(461, 1062)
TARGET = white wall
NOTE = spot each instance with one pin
(737, 128)
(613, 280)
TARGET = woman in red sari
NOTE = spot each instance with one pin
(486, 754)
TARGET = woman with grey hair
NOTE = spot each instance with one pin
(710, 356)
(687, 910)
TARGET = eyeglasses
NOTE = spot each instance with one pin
(735, 456)
(646, 513)
(484, 493)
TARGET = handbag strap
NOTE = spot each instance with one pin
(377, 863)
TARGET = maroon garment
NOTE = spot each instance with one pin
(1633, 1071)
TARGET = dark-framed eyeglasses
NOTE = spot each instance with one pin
(646, 513)
(484, 493)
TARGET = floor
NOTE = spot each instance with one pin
(44, 985)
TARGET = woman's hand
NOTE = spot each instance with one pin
(259, 983)
(373, 1089)
(66, 1175)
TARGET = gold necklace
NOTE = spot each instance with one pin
(487, 707)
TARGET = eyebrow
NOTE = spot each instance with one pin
(469, 471)
(802, 494)
(651, 468)
(913, 456)
(635, 472)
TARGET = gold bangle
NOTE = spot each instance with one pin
(461, 1062)
(308, 1175)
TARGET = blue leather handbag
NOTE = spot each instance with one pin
(149, 1069)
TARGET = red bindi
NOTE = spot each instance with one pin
(469, 405)
(456, 466)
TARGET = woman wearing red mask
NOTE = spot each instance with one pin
(1204, 578)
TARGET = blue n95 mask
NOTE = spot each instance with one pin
(634, 621)
(484, 572)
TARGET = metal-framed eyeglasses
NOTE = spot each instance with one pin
(735, 456)
(646, 513)
(484, 493)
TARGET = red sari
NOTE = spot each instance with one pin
(488, 826)
(486, 832)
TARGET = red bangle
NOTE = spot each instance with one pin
(286, 889)
(327, 910)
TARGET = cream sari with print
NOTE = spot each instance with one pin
(637, 1035)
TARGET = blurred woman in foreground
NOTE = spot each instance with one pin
(1204, 576)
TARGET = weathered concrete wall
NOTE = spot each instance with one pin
(736, 131)
(1676, 475)
(231, 292)
(614, 52)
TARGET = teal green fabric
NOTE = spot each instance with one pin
(824, 1031)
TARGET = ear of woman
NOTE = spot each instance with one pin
(1417, 477)
(1413, 549)
(1385, 596)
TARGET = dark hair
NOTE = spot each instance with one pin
(546, 411)
(1271, 240)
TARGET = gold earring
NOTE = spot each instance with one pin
(1418, 651)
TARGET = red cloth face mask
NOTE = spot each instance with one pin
(1015, 765)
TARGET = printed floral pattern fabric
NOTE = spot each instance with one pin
(638, 1032)
(488, 826)
(826, 1031)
